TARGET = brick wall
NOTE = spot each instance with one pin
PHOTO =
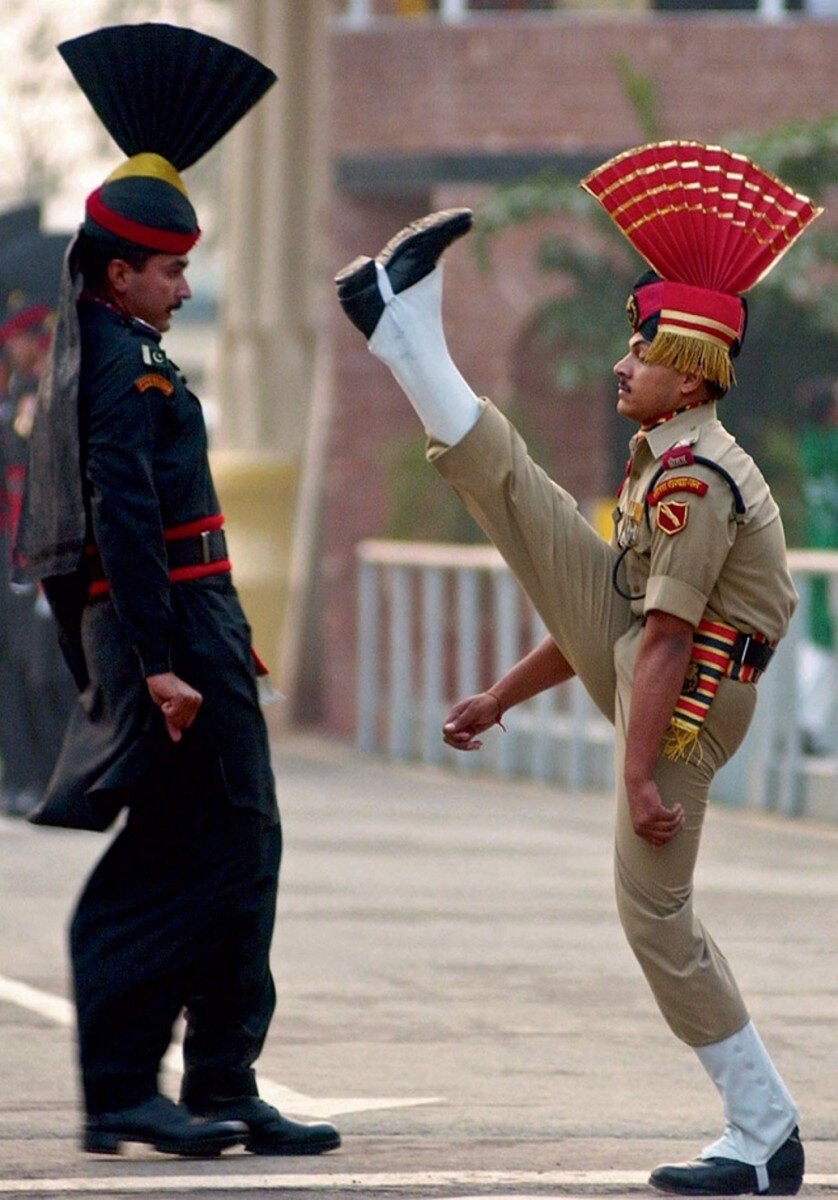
(503, 86)
(550, 82)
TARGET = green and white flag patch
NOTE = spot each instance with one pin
(153, 356)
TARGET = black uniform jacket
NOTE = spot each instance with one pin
(145, 470)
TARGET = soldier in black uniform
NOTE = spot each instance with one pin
(122, 523)
(36, 691)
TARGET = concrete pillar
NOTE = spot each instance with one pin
(276, 184)
(273, 345)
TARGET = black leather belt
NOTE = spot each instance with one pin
(196, 551)
(203, 548)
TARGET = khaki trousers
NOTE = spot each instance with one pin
(565, 568)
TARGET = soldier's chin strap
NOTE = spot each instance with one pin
(738, 513)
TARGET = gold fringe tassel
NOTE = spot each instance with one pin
(687, 354)
(681, 744)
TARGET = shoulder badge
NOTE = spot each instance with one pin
(153, 356)
(672, 516)
(679, 455)
(153, 380)
(679, 483)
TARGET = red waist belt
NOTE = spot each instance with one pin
(194, 551)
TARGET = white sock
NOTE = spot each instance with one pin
(759, 1110)
(410, 339)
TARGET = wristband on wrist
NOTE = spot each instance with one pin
(498, 718)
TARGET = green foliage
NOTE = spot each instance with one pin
(592, 320)
(543, 194)
(804, 155)
(643, 97)
(421, 506)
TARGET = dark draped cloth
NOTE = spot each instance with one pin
(51, 532)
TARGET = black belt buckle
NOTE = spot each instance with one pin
(213, 545)
(752, 653)
(740, 648)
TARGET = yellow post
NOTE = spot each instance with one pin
(257, 494)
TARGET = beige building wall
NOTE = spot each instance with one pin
(272, 341)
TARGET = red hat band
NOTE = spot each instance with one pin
(164, 241)
(714, 317)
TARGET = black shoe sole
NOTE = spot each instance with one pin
(408, 258)
(305, 1147)
(776, 1187)
(359, 296)
(107, 1142)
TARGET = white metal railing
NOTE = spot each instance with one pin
(437, 622)
(359, 13)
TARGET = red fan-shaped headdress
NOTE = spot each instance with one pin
(711, 224)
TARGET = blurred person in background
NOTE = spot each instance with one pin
(36, 689)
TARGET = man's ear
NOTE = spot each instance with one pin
(118, 275)
(692, 384)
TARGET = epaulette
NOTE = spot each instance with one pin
(680, 456)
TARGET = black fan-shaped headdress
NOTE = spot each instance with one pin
(166, 95)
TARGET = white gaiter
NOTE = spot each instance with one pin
(410, 339)
(759, 1110)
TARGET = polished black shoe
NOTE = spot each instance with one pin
(268, 1132)
(727, 1177)
(166, 1126)
(408, 257)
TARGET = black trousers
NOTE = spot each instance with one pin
(178, 914)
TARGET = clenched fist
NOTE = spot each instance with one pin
(178, 702)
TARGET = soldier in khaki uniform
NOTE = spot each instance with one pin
(670, 627)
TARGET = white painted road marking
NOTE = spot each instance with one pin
(54, 1008)
(569, 1183)
(62, 1012)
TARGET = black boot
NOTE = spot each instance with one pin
(408, 257)
(268, 1132)
(166, 1126)
(727, 1177)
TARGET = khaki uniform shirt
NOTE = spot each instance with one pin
(686, 554)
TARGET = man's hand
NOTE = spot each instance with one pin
(650, 819)
(178, 702)
(468, 718)
(662, 659)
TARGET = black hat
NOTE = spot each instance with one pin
(166, 95)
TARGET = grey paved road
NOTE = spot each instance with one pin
(451, 940)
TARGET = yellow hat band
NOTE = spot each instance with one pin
(148, 165)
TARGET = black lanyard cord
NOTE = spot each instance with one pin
(616, 586)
